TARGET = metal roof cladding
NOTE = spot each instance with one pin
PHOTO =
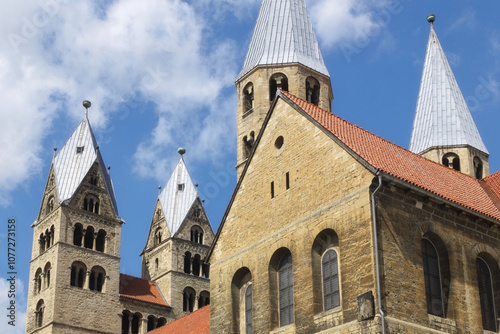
(442, 117)
(74, 161)
(283, 34)
(177, 197)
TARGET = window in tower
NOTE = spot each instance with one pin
(100, 242)
(277, 81)
(188, 298)
(196, 265)
(248, 142)
(203, 299)
(187, 263)
(78, 234)
(478, 168)
(157, 239)
(272, 189)
(248, 99)
(96, 280)
(89, 238)
(136, 323)
(79, 149)
(451, 160)
(151, 322)
(93, 180)
(50, 205)
(38, 280)
(40, 308)
(91, 203)
(180, 186)
(197, 234)
(47, 274)
(312, 90)
(78, 272)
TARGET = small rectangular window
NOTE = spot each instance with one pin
(79, 149)
(180, 186)
(287, 180)
(272, 189)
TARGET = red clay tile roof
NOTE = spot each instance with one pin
(197, 322)
(140, 289)
(482, 196)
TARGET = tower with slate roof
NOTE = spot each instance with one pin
(443, 129)
(283, 55)
(75, 262)
(178, 240)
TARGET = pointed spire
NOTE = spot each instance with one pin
(442, 117)
(76, 158)
(178, 196)
(283, 34)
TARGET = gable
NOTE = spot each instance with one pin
(158, 224)
(196, 216)
(295, 169)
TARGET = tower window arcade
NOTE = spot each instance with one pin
(277, 81)
(451, 160)
(312, 90)
(248, 98)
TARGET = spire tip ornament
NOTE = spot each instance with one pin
(181, 151)
(431, 18)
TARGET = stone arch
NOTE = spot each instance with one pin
(451, 160)
(97, 279)
(197, 234)
(312, 90)
(100, 242)
(78, 274)
(326, 272)
(248, 96)
(242, 279)
(203, 299)
(188, 298)
(277, 81)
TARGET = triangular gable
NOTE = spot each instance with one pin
(177, 197)
(74, 161)
(382, 156)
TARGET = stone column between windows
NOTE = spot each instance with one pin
(106, 242)
(130, 317)
(144, 325)
(94, 238)
(84, 232)
(87, 279)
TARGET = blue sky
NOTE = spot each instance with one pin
(160, 75)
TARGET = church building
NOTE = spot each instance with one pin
(330, 229)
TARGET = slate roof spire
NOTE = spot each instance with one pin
(178, 196)
(442, 117)
(75, 159)
(283, 34)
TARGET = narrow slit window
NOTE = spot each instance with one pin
(287, 180)
(272, 189)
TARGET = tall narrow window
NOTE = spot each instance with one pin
(100, 242)
(486, 298)
(330, 271)
(39, 313)
(478, 168)
(285, 281)
(89, 238)
(272, 189)
(432, 278)
(287, 179)
(187, 263)
(248, 310)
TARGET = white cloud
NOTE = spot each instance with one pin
(20, 306)
(59, 52)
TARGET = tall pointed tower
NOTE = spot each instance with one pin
(177, 244)
(283, 54)
(443, 129)
(75, 258)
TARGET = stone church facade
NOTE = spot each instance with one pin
(331, 229)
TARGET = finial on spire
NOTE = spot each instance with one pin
(431, 18)
(86, 105)
(109, 170)
(181, 151)
(159, 190)
(54, 156)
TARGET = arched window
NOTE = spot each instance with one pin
(38, 280)
(47, 274)
(161, 322)
(187, 263)
(157, 239)
(40, 308)
(157, 263)
(126, 317)
(78, 273)
(451, 160)
(486, 295)
(312, 90)
(100, 242)
(50, 205)
(52, 235)
(78, 235)
(248, 142)
(151, 322)
(285, 282)
(96, 280)
(47, 239)
(188, 298)
(203, 299)
(91, 203)
(136, 323)
(196, 265)
(325, 265)
(89, 238)
(330, 273)
(277, 81)
(478, 168)
(242, 304)
(248, 98)
(41, 241)
(432, 275)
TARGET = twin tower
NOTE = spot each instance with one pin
(75, 282)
